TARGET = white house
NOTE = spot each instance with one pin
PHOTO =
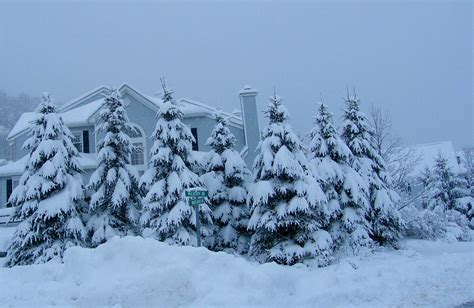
(428, 153)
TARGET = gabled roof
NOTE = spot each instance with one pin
(78, 100)
(193, 108)
(23, 123)
(86, 161)
(73, 117)
(75, 114)
(428, 153)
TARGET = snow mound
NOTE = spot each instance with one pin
(133, 271)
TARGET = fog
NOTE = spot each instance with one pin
(412, 58)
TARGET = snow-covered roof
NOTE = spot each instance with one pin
(82, 114)
(86, 161)
(192, 108)
(14, 168)
(428, 153)
(76, 116)
(462, 159)
(22, 124)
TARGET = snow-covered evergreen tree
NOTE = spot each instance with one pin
(441, 214)
(166, 214)
(448, 191)
(344, 188)
(383, 216)
(286, 201)
(115, 200)
(225, 179)
(49, 193)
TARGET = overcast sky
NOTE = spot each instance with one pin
(414, 59)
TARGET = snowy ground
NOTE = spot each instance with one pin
(135, 272)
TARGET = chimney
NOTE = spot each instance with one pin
(248, 103)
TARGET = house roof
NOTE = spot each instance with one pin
(74, 117)
(14, 168)
(83, 115)
(86, 161)
(428, 153)
(193, 108)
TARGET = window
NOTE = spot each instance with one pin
(11, 185)
(77, 140)
(138, 153)
(85, 141)
(137, 157)
(194, 131)
(9, 189)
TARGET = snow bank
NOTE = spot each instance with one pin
(133, 271)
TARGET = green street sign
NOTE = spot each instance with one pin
(196, 201)
(197, 193)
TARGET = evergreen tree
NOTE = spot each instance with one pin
(286, 202)
(385, 220)
(344, 188)
(448, 191)
(115, 201)
(444, 212)
(49, 193)
(166, 214)
(225, 179)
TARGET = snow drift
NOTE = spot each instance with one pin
(133, 271)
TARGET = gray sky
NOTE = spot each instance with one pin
(412, 58)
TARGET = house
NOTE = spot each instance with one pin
(424, 156)
(428, 153)
(80, 116)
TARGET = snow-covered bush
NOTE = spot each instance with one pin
(166, 214)
(115, 200)
(450, 191)
(286, 201)
(383, 216)
(49, 193)
(446, 212)
(447, 208)
(225, 179)
(436, 224)
(346, 192)
(465, 205)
